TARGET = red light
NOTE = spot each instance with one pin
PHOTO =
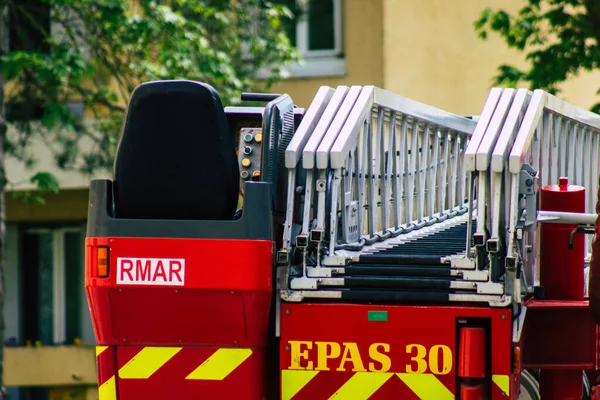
(102, 262)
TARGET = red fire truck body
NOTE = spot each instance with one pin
(191, 299)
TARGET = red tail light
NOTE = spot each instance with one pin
(102, 262)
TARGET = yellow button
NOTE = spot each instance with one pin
(246, 162)
(258, 137)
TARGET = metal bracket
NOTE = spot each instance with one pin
(479, 239)
(336, 261)
(503, 301)
(462, 262)
(304, 283)
(490, 288)
(528, 188)
(302, 241)
(318, 272)
(481, 276)
(282, 257)
(351, 232)
(291, 296)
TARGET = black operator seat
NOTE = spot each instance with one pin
(176, 156)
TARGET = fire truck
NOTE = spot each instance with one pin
(367, 247)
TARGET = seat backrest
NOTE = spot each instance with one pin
(176, 156)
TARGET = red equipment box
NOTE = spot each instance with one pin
(394, 352)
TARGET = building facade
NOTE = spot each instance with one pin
(426, 50)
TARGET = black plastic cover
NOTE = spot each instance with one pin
(176, 156)
(256, 222)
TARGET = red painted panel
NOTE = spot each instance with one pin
(246, 382)
(209, 263)
(567, 328)
(349, 342)
(142, 315)
(106, 365)
(224, 300)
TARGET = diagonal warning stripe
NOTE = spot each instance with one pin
(100, 349)
(292, 381)
(220, 364)
(503, 382)
(362, 385)
(147, 362)
(108, 390)
(426, 386)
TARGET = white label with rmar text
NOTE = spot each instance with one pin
(151, 271)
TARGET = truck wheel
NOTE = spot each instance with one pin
(530, 387)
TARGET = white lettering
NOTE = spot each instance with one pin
(151, 271)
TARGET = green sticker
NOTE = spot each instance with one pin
(378, 316)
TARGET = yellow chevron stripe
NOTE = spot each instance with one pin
(362, 385)
(292, 381)
(100, 349)
(503, 382)
(220, 364)
(147, 362)
(108, 390)
(426, 386)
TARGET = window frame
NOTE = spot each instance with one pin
(316, 63)
(59, 283)
(303, 33)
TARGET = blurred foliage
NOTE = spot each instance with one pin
(67, 53)
(560, 39)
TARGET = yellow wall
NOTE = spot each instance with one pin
(433, 54)
(67, 205)
(75, 378)
(363, 51)
(50, 366)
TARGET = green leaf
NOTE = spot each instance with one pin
(45, 182)
(559, 39)
(105, 48)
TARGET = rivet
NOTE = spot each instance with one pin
(287, 348)
(287, 310)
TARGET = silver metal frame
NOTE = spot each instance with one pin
(383, 170)
(557, 139)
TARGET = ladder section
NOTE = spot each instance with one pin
(556, 139)
(525, 140)
(383, 191)
(486, 160)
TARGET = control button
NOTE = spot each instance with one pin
(248, 137)
(245, 174)
(258, 137)
(246, 162)
(256, 174)
(247, 150)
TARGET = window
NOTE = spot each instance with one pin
(316, 32)
(52, 285)
(29, 24)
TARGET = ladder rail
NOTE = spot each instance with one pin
(556, 139)
(293, 153)
(393, 146)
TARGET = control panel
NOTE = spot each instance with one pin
(249, 153)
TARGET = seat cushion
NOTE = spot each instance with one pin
(176, 156)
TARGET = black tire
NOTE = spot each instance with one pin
(530, 387)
